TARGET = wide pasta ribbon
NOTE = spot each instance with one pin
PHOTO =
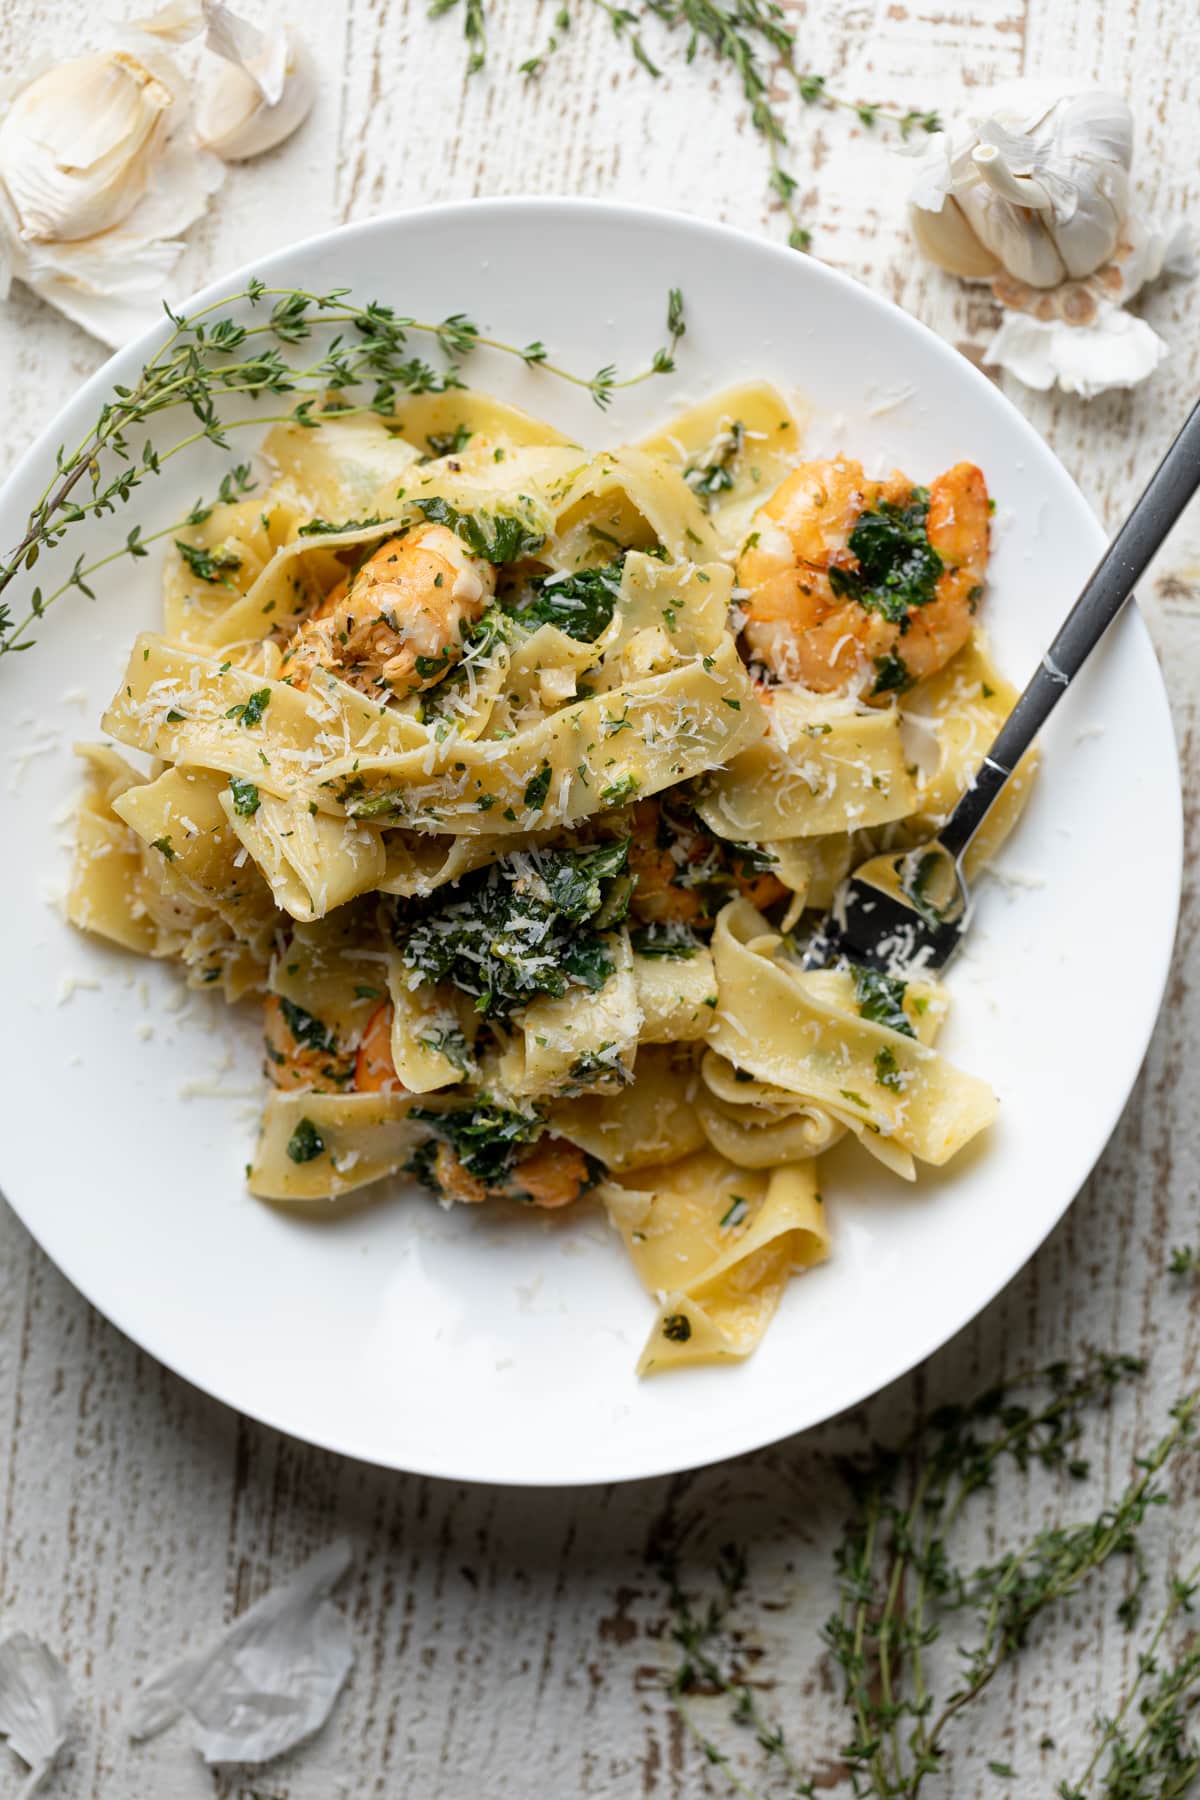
(785, 1027)
(717, 1244)
(824, 765)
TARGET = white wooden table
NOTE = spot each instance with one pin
(510, 1643)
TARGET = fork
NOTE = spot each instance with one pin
(909, 910)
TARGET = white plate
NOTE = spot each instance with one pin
(457, 1344)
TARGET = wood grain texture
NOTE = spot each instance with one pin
(510, 1642)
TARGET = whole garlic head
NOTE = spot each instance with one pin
(1031, 193)
(1033, 186)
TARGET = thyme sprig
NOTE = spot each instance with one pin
(360, 360)
(900, 1587)
(753, 36)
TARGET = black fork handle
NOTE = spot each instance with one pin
(1112, 582)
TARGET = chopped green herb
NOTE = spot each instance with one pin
(619, 792)
(449, 443)
(880, 998)
(209, 565)
(715, 476)
(250, 711)
(327, 527)
(305, 1143)
(891, 675)
(898, 568)
(668, 939)
(246, 799)
(537, 788)
(580, 604)
(500, 537)
(165, 845)
(738, 1211)
(448, 1041)
(309, 1031)
(887, 1070)
(677, 1327)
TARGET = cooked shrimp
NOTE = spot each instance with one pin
(450, 1178)
(374, 1070)
(395, 625)
(684, 874)
(852, 582)
(301, 1052)
(552, 1173)
(657, 858)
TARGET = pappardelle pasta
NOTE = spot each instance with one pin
(505, 779)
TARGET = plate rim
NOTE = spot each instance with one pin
(752, 1437)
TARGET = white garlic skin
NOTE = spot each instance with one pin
(1032, 185)
(235, 118)
(79, 144)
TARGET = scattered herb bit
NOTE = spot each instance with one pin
(448, 1041)
(715, 475)
(537, 788)
(880, 998)
(738, 1210)
(246, 798)
(164, 845)
(581, 604)
(307, 1030)
(305, 1143)
(250, 711)
(898, 568)
(362, 991)
(668, 939)
(209, 565)
(499, 537)
(892, 675)
(887, 1070)
(328, 527)
(604, 1064)
(677, 1327)
(449, 443)
(620, 791)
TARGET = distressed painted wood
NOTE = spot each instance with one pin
(508, 1642)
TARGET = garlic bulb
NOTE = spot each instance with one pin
(1038, 189)
(263, 88)
(97, 181)
(1031, 192)
(248, 107)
